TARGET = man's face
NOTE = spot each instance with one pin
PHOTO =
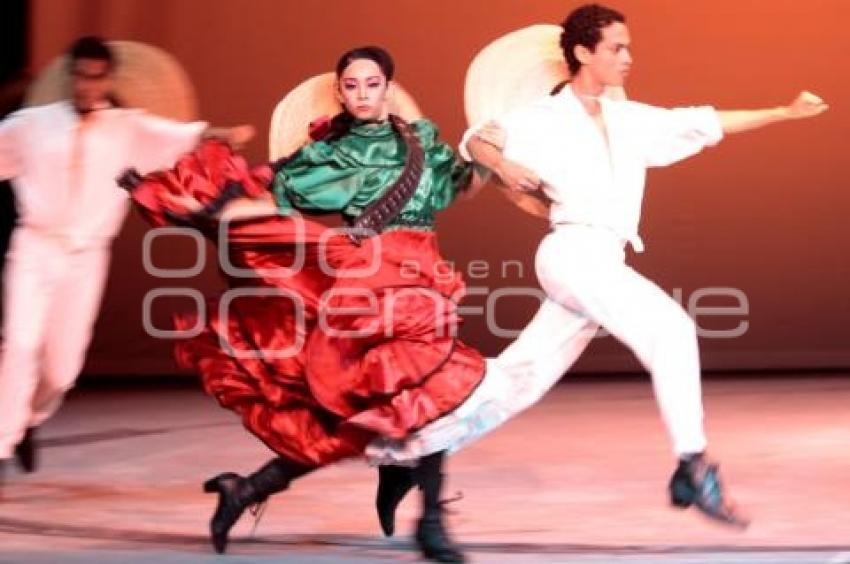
(610, 62)
(91, 83)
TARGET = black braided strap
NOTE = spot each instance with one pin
(386, 208)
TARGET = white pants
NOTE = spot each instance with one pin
(51, 296)
(588, 285)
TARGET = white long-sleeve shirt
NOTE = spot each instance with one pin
(63, 169)
(589, 184)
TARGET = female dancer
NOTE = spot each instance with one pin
(370, 316)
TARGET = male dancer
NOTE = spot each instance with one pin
(589, 155)
(63, 159)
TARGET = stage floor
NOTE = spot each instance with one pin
(581, 477)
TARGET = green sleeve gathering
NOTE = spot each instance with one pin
(316, 180)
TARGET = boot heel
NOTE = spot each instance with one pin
(680, 502)
(228, 509)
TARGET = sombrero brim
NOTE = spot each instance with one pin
(145, 77)
(315, 98)
(514, 70)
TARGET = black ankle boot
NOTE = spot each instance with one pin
(697, 482)
(393, 484)
(236, 494)
(26, 451)
(431, 535)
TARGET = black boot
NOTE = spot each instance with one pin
(697, 482)
(236, 494)
(25, 452)
(393, 484)
(431, 535)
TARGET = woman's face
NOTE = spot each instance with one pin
(363, 90)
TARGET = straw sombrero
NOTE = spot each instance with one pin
(313, 99)
(512, 71)
(145, 77)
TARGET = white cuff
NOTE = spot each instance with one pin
(462, 150)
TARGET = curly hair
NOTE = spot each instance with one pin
(584, 27)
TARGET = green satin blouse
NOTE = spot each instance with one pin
(349, 173)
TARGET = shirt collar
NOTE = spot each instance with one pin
(567, 95)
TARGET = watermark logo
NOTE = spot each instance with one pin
(358, 311)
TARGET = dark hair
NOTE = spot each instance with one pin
(91, 47)
(370, 52)
(584, 27)
(341, 123)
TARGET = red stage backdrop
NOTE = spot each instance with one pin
(762, 216)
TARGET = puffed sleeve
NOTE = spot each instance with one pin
(450, 174)
(675, 134)
(318, 177)
(159, 142)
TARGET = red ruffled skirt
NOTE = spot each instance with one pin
(319, 344)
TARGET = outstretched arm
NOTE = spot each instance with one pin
(805, 105)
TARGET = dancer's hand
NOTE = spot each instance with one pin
(235, 136)
(517, 177)
(493, 134)
(182, 202)
(240, 134)
(806, 105)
